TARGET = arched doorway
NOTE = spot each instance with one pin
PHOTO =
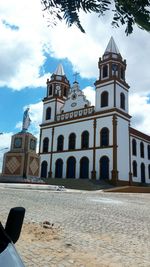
(59, 168)
(84, 168)
(44, 169)
(104, 168)
(142, 173)
(71, 167)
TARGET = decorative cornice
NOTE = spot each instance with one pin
(139, 134)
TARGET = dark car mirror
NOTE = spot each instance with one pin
(14, 223)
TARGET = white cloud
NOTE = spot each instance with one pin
(22, 50)
(36, 117)
(90, 94)
(140, 110)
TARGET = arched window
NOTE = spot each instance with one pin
(134, 168)
(71, 167)
(122, 100)
(104, 167)
(122, 73)
(60, 143)
(44, 169)
(104, 137)
(149, 171)
(45, 144)
(148, 151)
(142, 150)
(85, 140)
(134, 150)
(105, 71)
(50, 90)
(72, 141)
(142, 173)
(104, 99)
(65, 91)
(48, 113)
(59, 168)
(84, 168)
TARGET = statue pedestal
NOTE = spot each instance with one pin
(22, 160)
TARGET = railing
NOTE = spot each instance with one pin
(75, 114)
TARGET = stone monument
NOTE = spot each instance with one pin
(22, 161)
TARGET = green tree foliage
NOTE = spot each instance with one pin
(125, 12)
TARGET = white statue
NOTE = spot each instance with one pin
(26, 120)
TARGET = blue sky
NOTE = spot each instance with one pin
(17, 100)
(30, 51)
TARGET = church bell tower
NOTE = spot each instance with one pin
(112, 102)
(57, 92)
(111, 87)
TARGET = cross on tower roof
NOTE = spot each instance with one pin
(75, 76)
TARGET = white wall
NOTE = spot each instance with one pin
(45, 106)
(123, 148)
(140, 160)
(76, 128)
(59, 105)
(45, 157)
(99, 90)
(120, 90)
(101, 123)
(46, 133)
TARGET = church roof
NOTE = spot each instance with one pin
(112, 47)
(59, 70)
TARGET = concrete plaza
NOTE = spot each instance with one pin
(87, 229)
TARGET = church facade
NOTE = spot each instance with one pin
(81, 141)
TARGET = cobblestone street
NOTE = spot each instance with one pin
(89, 229)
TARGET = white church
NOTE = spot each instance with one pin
(81, 141)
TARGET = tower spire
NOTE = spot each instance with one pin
(112, 47)
(59, 70)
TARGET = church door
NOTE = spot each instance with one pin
(84, 168)
(104, 168)
(71, 166)
(142, 173)
(44, 169)
(58, 168)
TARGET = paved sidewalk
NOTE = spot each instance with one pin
(32, 186)
(87, 229)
